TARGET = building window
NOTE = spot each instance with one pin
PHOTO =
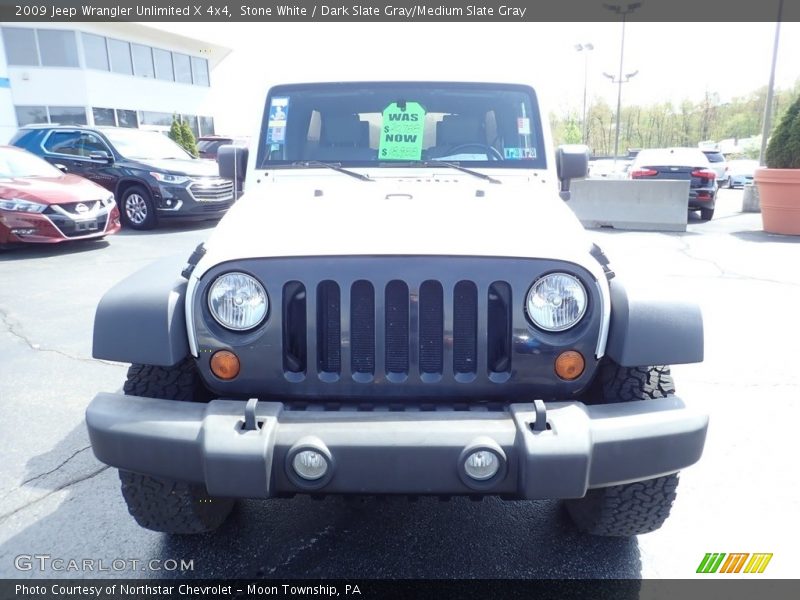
(27, 115)
(95, 52)
(192, 121)
(183, 68)
(20, 46)
(163, 63)
(206, 125)
(200, 71)
(57, 48)
(143, 60)
(147, 117)
(68, 115)
(126, 118)
(120, 54)
(103, 116)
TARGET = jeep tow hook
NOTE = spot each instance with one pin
(250, 422)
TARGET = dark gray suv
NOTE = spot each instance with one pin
(151, 176)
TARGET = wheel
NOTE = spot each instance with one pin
(136, 208)
(158, 503)
(706, 214)
(492, 153)
(632, 508)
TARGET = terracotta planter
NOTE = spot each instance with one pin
(779, 191)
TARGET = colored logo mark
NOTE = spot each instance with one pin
(740, 562)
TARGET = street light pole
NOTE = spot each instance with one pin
(585, 48)
(768, 108)
(619, 81)
(616, 8)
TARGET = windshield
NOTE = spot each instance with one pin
(133, 143)
(392, 124)
(18, 163)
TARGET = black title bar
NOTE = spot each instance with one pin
(411, 11)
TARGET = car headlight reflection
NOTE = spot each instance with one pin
(238, 301)
(556, 302)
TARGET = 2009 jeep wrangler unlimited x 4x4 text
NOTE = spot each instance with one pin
(401, 303)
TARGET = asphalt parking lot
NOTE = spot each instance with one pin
(743, 496)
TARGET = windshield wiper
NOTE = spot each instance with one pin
(330, 165)
(444, 163)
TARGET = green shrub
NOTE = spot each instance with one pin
(175, 131)
(783, 150)
(189, 143)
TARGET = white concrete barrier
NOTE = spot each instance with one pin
(660, 205)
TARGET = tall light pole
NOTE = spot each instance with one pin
(616, 8)
(619, 80)
(762, 156)
(585, 48)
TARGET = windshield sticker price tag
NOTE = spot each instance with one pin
(524, 126)
(276, 125)
(401, 132)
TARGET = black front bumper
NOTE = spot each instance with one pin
(193, 200)
(557, 450)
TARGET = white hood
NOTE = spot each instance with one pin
(426, 215)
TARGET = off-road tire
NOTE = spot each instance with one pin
(172, 506)
(633, 508)
(625, 510)
(625, 384)
(158, 503)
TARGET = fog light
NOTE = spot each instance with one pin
(482, 465)
(225, 364)
(310, 465)
(23, 231)
(570, 365)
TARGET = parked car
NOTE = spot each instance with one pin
(718, 164)
(208, 145)
(41, 205)
(608, 168)
(377, 316)
(152, 177)
(681, 163)
(740, 172)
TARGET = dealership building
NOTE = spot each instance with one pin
(122, 74)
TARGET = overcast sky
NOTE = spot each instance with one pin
(674, 60)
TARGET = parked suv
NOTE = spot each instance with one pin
(400, 303)
(152, 177)
(208, 146)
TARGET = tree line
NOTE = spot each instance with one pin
(665, 124)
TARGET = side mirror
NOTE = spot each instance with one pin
(572, 162)
(232, 162)
(62, 168)
(101, 156)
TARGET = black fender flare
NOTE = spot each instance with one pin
(648, 329)
(142, 318)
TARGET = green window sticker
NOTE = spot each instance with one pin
(401, 132)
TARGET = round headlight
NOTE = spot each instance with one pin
(556, 302)
(237, 301)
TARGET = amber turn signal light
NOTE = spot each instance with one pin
(570, 365)
(225, 364)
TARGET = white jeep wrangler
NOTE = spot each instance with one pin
(400, 303)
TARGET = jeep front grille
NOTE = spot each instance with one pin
(397, 331)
